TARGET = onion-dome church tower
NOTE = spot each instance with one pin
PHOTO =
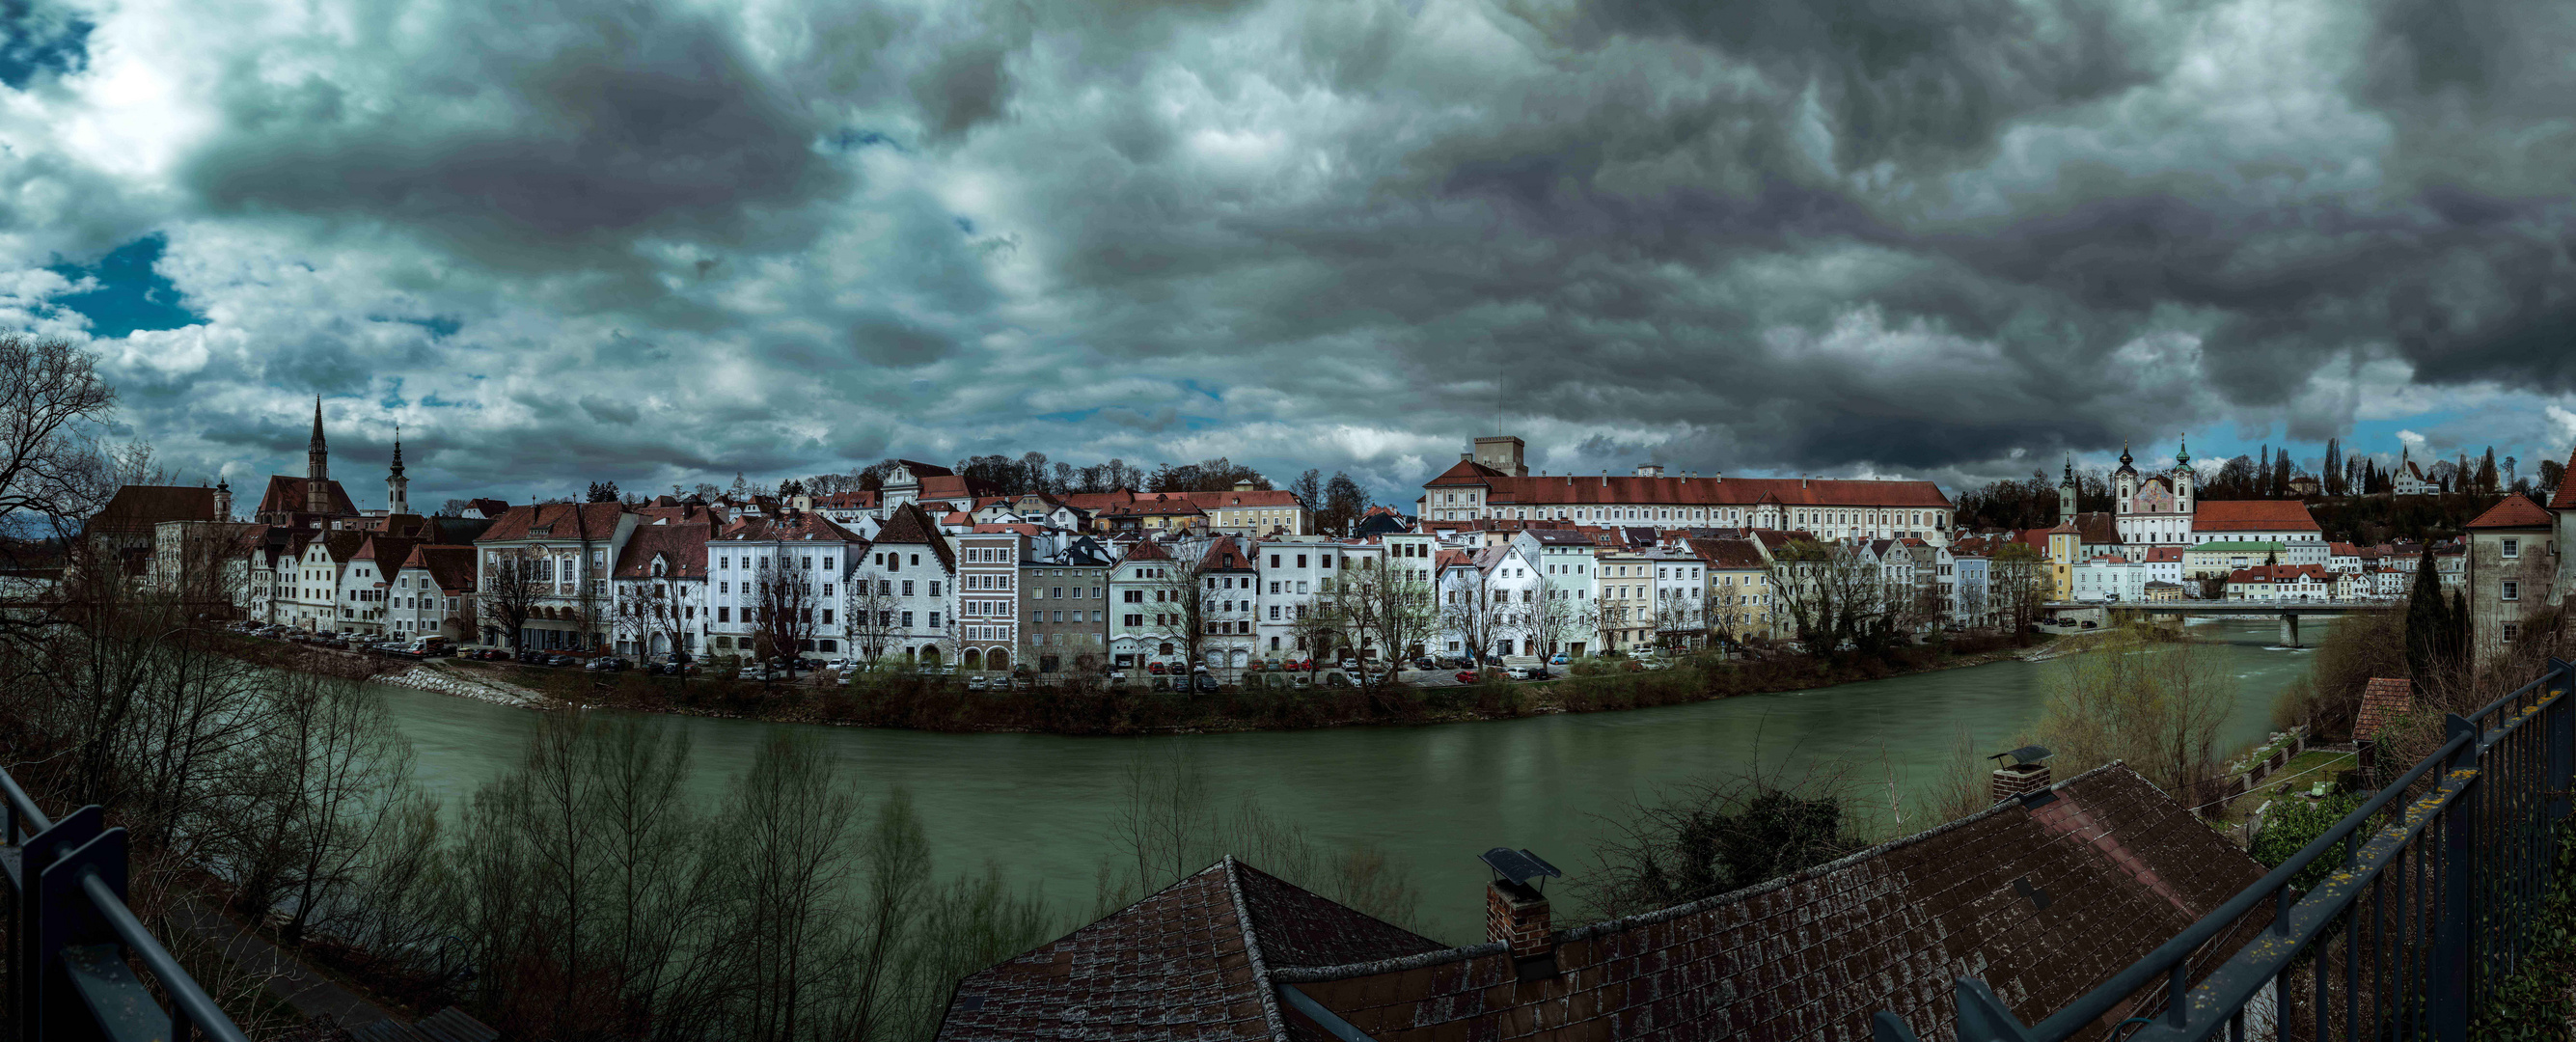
(396, 502)
(2066, 495)
(2124, 481)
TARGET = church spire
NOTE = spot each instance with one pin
(397, 487)
(317, 468)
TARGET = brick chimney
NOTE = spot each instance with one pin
(2019, 780)
(2025, 775)
(1516, 914)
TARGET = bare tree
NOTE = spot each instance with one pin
(1481, 614)
(1385, 612)
(785, 598)
(1835, 599)
(1558, 619)
(870, 606)
(2020, 587)
(2157, 704)
(514, 581)
(52, 465)
(1681, 619)
(652, 609)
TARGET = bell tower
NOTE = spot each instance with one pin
(2183, 476)
(2125, 481)
(2066, 495)
(395, 483)
(317, 468)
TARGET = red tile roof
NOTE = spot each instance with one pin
(1573, 491)
(910, 525)
(1192, 961)
(2252, 515)
(2514, 511)
(136, 508)
(285, 495)
(450, 567)
(683, 549)
(1729, 553)
(2281, 573)
(2383, 700)
(560, 520)
(2565, 498)
(2118, 866)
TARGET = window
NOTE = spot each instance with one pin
(1132, 596)
(2510, 630)
(2512, 548)
(724, 615)
(907, 620)
(2512, 590)
(1132, 620)
(934, 587)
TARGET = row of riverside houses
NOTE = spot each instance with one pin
(929, 567)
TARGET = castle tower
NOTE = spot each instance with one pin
(317, 468)
(395, 483)
(2066, 495)
(2125, 480)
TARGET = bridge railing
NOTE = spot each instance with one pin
(72, 940)
(2426, 913)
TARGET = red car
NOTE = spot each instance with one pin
(1155, 668)
(1466, 676)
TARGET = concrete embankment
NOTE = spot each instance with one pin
(455, 682)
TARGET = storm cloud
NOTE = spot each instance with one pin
(661, 243)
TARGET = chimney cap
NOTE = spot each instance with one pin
(2025, 754)
(1519, 866)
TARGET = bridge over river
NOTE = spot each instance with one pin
(2287, 611)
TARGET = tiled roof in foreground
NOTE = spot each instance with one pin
(2042, 899)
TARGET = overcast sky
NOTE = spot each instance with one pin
(665, 242)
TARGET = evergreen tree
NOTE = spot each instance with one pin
(2456, 635)
(2486, 480)
(2333, 476)
(2427, 620)
(602, 492)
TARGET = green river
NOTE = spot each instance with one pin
(1431, 797)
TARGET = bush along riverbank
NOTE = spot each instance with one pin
(917, 701)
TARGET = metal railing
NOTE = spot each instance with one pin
(71, 938)
(2408, 937)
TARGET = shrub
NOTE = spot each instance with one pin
(2293, 823)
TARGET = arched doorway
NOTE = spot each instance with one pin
(930, 654)
(998, 661)
(974, 659)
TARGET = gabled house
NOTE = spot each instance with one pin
(795, 561)
(564, 551)
(661, 587)
(911, 569)
(433, 594)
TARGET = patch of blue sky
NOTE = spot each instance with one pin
(129, 294)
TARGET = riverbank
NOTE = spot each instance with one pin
(919, 702)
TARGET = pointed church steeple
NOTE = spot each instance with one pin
(317, 467)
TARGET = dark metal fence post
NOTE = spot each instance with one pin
(2562, 739)
(40, 851)
(2447, 985)
(71, 920)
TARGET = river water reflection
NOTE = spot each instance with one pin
(1432, 797)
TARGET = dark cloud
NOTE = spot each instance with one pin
(551, 132)
(1943, 237)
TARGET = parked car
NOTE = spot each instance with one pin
(1155, 668)
(1270, 664)
(1424, 662)
(1466, 676)
(1336, 680)
(1559, 659)
(760, 673)
(605, 664)
(977, 683)
(1656, 664)
(1540, 673)
(1517, 672)
(1206, 683)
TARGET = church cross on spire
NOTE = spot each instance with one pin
(317, 421)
